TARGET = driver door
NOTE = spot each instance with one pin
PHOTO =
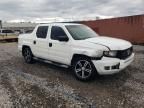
(59, 51)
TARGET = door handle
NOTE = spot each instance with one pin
(50, 44)
(34, 42)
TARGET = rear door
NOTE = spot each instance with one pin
(40, 44)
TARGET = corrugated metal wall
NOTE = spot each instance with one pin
(130, 28)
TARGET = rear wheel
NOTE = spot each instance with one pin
(28, 57)
(84, 69)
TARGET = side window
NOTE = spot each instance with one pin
(56, 32)
(42, 31)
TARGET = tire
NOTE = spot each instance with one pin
(28, 56)
(84, 69)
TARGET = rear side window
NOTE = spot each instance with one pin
(56, 32)
(42, 31)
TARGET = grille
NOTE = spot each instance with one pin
(124, 54)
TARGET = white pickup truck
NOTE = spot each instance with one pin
(78, 46)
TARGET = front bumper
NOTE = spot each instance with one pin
(109, 65)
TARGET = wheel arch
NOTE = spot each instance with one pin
(76, 56)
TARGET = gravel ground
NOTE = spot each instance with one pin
(42, 85)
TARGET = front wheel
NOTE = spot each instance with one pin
(84, 69)
(28, 57)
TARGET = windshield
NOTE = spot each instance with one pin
(80, 32)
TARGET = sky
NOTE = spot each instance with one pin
(37, 10)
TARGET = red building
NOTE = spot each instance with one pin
(130, 28)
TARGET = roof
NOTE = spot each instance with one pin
(60, 24)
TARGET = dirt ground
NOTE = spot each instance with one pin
(43, 85)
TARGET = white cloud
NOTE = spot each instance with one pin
(42, 9)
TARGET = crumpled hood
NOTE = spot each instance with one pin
(111, 43)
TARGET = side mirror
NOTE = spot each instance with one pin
(63, 38)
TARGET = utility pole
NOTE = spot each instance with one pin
(0, 24)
